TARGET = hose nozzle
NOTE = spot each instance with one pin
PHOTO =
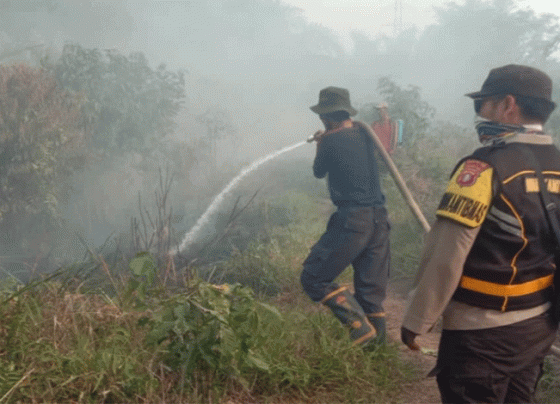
(316, 136)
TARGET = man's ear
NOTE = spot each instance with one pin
(511, 113)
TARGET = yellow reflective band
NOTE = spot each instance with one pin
(531, 185)
(356, 324)
(375, 315)
(365, 337)
(552, 185)
(333, 293)
(496, 289)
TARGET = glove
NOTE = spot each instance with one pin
(408, 337)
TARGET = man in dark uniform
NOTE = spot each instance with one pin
(488, 262)
(358, 232)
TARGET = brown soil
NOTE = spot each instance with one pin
(421, 389)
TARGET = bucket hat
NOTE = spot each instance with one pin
(332, 99)
(516, 80)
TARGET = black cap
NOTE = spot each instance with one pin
(516, 80)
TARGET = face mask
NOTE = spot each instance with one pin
(489, 131)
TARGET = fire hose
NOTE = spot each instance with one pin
(394, 173)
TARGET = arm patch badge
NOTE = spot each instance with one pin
(470, 172)
(468, 194)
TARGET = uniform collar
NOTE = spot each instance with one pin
(534, 135)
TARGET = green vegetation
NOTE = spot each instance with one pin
(128, 105)
(40, 143)
(230, 323)
(549, 386)
(133, 338)
(70, 116)
(233, 326)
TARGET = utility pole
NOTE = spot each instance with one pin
(397, 24)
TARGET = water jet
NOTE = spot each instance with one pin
(193, 234)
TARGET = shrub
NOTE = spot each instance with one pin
(40, 144)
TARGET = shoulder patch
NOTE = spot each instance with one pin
(468, 194)
(470, 172)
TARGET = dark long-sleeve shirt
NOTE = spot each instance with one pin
(346, 155)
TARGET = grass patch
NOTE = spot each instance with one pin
(63, 347)
(548, 389)
(135, 338)
(323, 365)
(208, 343)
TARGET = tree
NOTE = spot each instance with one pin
(453, 56)
(406, 104)
(128, 104)
(40, 144)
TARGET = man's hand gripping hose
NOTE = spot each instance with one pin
(316, 137)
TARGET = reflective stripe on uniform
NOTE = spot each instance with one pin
(496, 289)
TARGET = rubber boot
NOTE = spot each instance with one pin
(379, 323)
(345, 307)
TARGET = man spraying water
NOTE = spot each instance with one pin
(358, 232)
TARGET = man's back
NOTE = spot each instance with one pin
(353, 177)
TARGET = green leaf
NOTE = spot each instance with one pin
(257, 362)
(143, 265)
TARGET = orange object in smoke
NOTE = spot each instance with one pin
(385, 129)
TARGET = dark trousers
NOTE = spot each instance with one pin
(357, 236)
(494, 365)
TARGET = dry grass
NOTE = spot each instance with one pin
(72, 346)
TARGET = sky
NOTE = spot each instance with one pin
(379, 16)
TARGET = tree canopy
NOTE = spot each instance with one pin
(40, 142)
(128, 104)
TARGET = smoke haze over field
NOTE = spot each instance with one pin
(259, 64)
(262, 55)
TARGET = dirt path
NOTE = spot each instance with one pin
(421, 390)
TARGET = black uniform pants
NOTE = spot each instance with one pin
(494, 365)
(357, 236)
